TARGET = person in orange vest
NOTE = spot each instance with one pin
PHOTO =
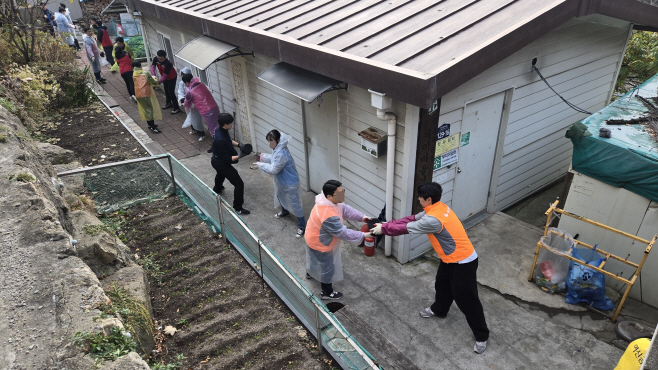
(324, 232)
(456, 278)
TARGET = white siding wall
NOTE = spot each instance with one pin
(273, 108)
(360, 172)
(579, 59)
(219, 80)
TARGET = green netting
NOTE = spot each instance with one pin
(129, 184)
(123, 186)
(629, 159)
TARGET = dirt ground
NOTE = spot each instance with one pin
(204, 289)
(93, 134)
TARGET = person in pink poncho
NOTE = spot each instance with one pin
(199, 95)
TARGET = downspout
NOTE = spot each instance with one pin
(381, 102)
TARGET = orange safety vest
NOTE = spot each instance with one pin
(314, 225)
(452, 243)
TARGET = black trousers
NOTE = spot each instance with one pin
(108, 54)
(130, 84)
(458, 282)
(231, 174)
(170, 92)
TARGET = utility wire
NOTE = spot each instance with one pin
(573, 106)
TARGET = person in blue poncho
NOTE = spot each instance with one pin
(281, 165)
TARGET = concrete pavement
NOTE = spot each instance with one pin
(529, 329)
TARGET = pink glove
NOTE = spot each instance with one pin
(153, 70)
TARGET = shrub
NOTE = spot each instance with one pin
(36, 87)
(47, 48)
(3, 138)
(73, 82)
(640, 61)
(133, 312)
(105, 348)
(9, 105)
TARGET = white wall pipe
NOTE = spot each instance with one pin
(390, 170)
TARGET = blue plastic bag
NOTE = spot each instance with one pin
(585, 285)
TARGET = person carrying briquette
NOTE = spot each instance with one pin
(65, 28)
(126, 69)
(287, 190)
(456, 278)
(104, 39)
(325, 231)
(194, 120)
(199, 97)
(145, 96)
(168, 78)
(67, 13)
(93, 54)
(223, 156)
(118, 42)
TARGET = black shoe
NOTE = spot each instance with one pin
(308, 276)
(175, 111)
(242, 211)
(167, 106)
(101, 82)
(220, 190)
(155, 129)
(334, 295)
(210, 150)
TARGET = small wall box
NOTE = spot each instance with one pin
(373, 141)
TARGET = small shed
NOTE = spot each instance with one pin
(615, 182)
(448, 83)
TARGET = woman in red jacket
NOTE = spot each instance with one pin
(126, 69)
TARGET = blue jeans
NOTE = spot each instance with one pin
(301, 221)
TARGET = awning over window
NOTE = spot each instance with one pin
(204, 51)
(299, 82)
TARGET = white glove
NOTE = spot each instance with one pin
(93, 59)
(377, 230)
(367, 235)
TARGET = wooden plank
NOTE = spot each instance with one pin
(425, 146)
(386, 354)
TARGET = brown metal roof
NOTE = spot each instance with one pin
(412, 50)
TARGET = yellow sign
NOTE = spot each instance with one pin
(447, 144)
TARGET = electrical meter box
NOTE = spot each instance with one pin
(373, 141)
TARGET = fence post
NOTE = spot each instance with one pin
(222, 224)
(171, 171)
(317, 326)
(260, 257)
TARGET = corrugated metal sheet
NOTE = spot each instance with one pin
(442, 43)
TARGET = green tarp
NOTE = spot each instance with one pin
(629, 159)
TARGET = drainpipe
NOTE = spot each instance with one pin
(381, 102)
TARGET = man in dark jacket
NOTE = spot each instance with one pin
(168, 78)
(49, 19)
(104, 39)
(223, 155)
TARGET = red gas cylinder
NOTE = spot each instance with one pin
(369, 246)
(364, 229)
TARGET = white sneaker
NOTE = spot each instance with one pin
(480, 347)
(133, 97)
(192, 131)
(300, 233)
(202, 138)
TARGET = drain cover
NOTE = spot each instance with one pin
(631, 330)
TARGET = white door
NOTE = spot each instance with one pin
(481, 123)
(321, 120)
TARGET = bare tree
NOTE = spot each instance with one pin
(20, 23)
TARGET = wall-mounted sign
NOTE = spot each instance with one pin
(445, 159)
(443, 131)
(466, 138)
(434, 107)
(446, 144)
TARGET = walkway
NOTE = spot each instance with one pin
(525, 334)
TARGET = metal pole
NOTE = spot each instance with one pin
(260, 257)
(171, 171)
(317, 327)
(222, 225)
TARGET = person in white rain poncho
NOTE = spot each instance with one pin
(65, 28)
(324, 233)
(93, 54)
(281, 165)
(194, 119)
